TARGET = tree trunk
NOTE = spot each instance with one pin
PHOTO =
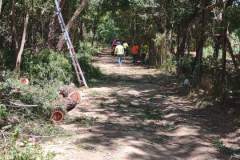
(224, 35)
(224, 54)
(0, 7)
(14, 30)
(216, 48)
(200, 44)
(152, 53)
(229, 46)
(201, 39)
(182, 46)
(94, 30)
(52, 29)
(19, 56)
(71, 22)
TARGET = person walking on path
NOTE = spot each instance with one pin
(114, 44)
(119, 51)
(135, 52)
(125, 45)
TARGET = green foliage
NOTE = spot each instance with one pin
(185, 65)
(217, 143)
(7, 59)
(47, 66)
(169, 66)
(29, 152)
(91, 72)
(87, 50)
(85, 53)
(37, 95)
(40, 128)
(3, 111)
(108, 30)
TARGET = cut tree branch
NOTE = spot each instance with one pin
(22, 105)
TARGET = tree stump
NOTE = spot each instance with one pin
(66, 90)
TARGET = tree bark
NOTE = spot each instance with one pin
(229, 46)
(197, 66)
(14, 30)
(224, 54)
(182, 46)
(224, 35)
(152, 53)
(216, 47)
(71, 22)
(0, 7)
(19, 56)
(52, 29)
(201, 39)
(94, 30)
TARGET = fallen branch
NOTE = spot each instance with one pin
(22, 105)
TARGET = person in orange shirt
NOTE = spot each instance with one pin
(135, 52)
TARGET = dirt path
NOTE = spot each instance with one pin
(137, 113)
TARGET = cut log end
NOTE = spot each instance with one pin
(57, 115)
(24, 81)
(75, 96)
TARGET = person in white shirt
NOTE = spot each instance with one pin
(119, 51)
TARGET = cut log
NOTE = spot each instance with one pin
(57, 115)
(75, 96)
(66, 90)
(24, 81)
(65, 103)
(71, 92)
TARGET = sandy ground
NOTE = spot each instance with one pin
(136, 113)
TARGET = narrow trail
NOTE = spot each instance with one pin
(137, 113)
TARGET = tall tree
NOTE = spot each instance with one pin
(70, 23)
(19, 56)
(0, 6)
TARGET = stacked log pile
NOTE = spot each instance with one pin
(69, 98)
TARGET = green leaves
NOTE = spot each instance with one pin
(48, 66)
(3, 111)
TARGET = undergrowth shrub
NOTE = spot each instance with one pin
(169, 65)
(28, 152)
(25, 120)
(85, 53)
(7, 59)
(90, 71)
(47, 66)
(87, 50)
(185, 65)
(42, 96)
(3, 111)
